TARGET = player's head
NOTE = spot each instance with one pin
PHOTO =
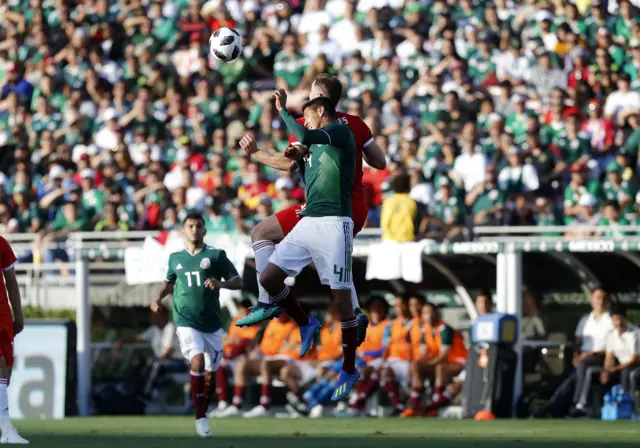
(318, 112)
(430, 314)
(401, 183)
(599, 300)
(401, 306)
(415, 305)
(193, 228)
(483, 303)
(378, 310)
(326, 85)
(619, 318)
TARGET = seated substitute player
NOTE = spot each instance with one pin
(371, 353)
(324, 235)
(273, 229)
(195, 276)
(442, 354)
(9, 328)
(274, 337)
(395, 370)
(326, 367)
(238, 343)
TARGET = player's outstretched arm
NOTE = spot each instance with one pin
(234, 283)
(273, 159)
(305, 136)
(13, 291)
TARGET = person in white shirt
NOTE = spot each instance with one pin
(623, 98)
(589, 350)
(161, 336)
(470, 167)
(622, 359)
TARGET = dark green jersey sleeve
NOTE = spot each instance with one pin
(225, 267)
(332, 134)
(171, 273)
(446, 335)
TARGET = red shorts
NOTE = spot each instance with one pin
(289, 217)
(6, 346)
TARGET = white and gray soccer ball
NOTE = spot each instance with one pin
(225, 44)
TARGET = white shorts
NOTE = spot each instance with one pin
(327, 242)
(375, 363)
(400, 369)
(194, 342)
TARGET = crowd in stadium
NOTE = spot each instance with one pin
(113, 116)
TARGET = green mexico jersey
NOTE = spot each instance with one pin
(195, 306)
(328, 167)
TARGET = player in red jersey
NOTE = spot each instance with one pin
(273, 229)
(9, 327)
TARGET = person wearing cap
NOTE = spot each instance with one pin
(517, 177)
(577, 188)
(618, 190)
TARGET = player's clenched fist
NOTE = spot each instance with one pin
(155, 306)
(295, 152)
(248, 144)
(211, 283)
(280, 96)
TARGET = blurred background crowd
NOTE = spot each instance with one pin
(114, 117)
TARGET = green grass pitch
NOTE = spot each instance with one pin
(178, 432)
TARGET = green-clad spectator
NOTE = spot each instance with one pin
(577, 188)
(71, 218)
(75, 72)
(92, 197)
(217, 222)
(517, 122)
(139, 117)
(486, 201)
(290, 64)
(481, 65)
(45, 118)
(574, 145)
(612, 219)
(447, 207)
(596, 20)
(624, 21)
(632, 67)
(111, 221)
(547, 215)
(631, 144)
(27, 211)
(45, 89)
(616, 189)
(126, 210)
(604, 40)
(236, 71)
(517, 177)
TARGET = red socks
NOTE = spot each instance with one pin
(238, 396)
(349, 341)
(416, 395)
(393, 391)
(364, 390)
(221, 384)
(198, 396)
(265, 396)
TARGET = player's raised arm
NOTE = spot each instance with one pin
(275, 160)
(13, 291)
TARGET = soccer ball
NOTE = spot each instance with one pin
(225, 44)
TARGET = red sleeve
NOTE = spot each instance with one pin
(8, 258)
(292, 139)
(363, 134)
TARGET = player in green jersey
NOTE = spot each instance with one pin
(324, 235)
(195, 276)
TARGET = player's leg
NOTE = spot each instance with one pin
(292, 375)
(192, 345)
(268, 368)
(244, 368)
(212, 360)
(222, 385)
(390, 382)
(9, 433)
(360, 211)
(290, 257)
(451, 391)
(264, 238)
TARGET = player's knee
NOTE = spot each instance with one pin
(197, 363)
(268, 230)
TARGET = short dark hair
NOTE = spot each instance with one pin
(195, 216)
(401, 183)
(320, 101)
(382, 301)
(619, 310)
(331, 85)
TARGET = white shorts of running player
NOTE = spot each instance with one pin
(327, 242)
(400, 368)
(194, 342)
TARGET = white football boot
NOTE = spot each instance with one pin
(202, 427)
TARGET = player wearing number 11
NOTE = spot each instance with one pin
(195, 276)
